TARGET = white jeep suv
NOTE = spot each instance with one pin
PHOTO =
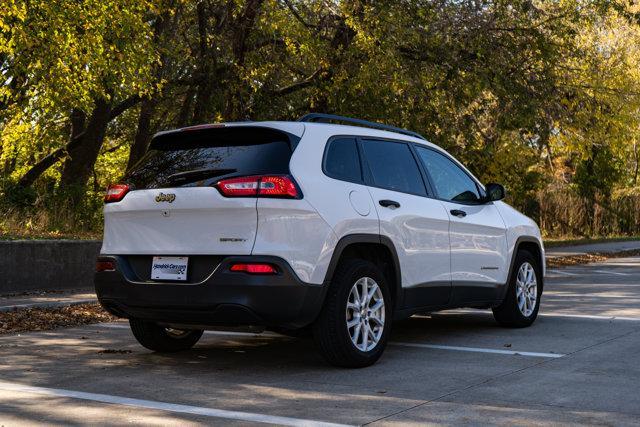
(309, 225)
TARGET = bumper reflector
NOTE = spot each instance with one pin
(102, 265)
(255, 268)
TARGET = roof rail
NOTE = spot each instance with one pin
(327, 118)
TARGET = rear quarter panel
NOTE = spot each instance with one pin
(314, 224)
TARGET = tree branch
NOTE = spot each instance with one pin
(298, 85)
(297, 15)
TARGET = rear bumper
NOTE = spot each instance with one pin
(224, 298)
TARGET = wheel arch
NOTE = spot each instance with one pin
(372, 247)
(533, 245)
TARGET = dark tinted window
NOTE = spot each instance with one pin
(449, 180)
(202, 157)
(342, 161)
(393, 166)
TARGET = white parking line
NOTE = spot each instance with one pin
(616, 273)
(565, 273)
(477, 350)
(402, 344)
(170, 407)
(590, 316)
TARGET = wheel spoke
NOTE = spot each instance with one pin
(377, 320)
(377, 306)
(371, 333)
(372, 292)
(356, 294)
(353, 322)
(356, 332)
(365, 290)
(365, 338)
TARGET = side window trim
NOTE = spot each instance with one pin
(362, 180)
(431, 190)
(455, 163)
(368, 174)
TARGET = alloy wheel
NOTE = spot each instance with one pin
(526, 289)
(365, 314)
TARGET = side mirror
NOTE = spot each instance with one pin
(495, 192)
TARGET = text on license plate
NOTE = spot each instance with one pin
(169, 267)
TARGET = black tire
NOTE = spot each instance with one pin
(508, 313)
(330, 329)
(161, 339)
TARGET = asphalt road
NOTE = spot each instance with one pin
(578, 364)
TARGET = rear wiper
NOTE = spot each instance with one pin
(197, 175)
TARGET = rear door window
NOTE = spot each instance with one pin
(393, 166)
(204, 156)
(342, 160)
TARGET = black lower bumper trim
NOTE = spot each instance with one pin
(225, 299)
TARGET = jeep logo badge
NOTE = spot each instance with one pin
(170, 197)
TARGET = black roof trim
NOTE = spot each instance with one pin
(327, 118)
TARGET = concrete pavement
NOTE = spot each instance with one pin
(575, 365)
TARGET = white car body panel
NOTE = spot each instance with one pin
(478, 244)
(517, 227)
(192, 224)
(336, 202)
(419, 230)
(293, 230)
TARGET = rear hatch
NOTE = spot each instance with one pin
(173, 206)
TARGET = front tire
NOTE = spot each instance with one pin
(161, 339)
(522, 302)
(352, 328)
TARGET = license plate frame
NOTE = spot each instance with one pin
(169, 268)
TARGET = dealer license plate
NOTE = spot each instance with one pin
(169, 268)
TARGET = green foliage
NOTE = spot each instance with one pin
(597, 173)
(532, 94)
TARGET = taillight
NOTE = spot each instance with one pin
(238, 187)
(255, 268)
(105, 265)
(115, 192)
(277, 186)
(265, 185)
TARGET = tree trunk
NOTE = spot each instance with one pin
(143, 133)
(78, 119)
(78, 167)
(235, 107)
(635, 156)
(76, 140)
(204, 89)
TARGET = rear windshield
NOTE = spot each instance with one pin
(204, 156)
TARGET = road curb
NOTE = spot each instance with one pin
(53, 304)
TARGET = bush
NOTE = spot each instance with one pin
(50, 213)
(563, 213)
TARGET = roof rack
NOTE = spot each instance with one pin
(327, 118)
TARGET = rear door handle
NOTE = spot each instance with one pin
(389, 203)
(458, 213)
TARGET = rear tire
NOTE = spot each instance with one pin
(522, 302)
(346, 310)
(161, 339)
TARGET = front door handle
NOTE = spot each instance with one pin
(389, 203)
(458, 213)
